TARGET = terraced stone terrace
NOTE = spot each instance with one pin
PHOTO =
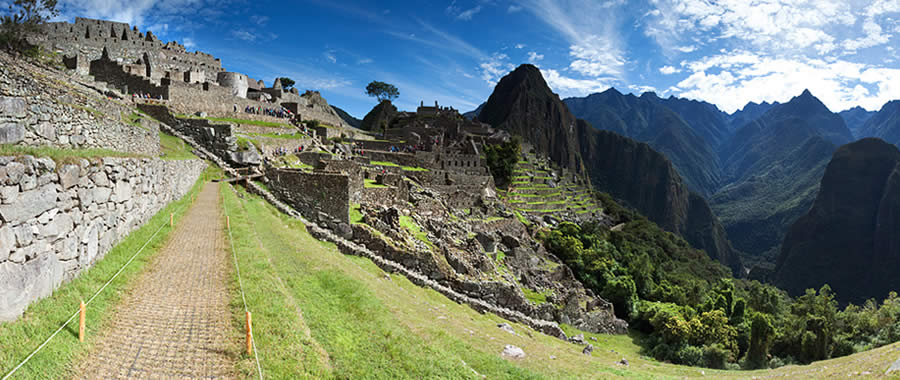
(534, 191)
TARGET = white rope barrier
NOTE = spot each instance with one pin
(241, 285)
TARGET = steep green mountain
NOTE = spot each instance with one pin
(849, 239)
(855, 118)
(772, 167)
(704, 118)
(523, 104)
(750, 112)
(347, 118)
(647, 119)
(630, 171)
(885, 124)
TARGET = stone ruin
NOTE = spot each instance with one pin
(134, 62)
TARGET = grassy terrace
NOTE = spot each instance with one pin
(174, 148)
(321, 314)
(394, 165)
(259, 123)
(21, 337)
(62, 155)
(370, 183)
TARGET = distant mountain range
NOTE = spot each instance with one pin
(759, 167)
(630, 171)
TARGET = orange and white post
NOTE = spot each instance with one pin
(81, 322)
(249, 334)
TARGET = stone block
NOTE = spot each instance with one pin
(21, 284)
(100, 179)
(46, 130)
(12, 106)
(30, 204)
(11, 133)
(24, 234)
(101, 194)
(122, 192)
(68, 249)
(7, 242)
(14, 173)
(9, 194)
(69, 176)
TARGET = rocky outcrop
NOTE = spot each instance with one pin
(379, 117)
(57, 219)
(848, 239)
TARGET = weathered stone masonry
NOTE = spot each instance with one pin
(311, 193)
(57, 219)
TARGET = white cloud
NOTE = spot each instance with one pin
(259, 20)
(243, 34)
(364, 61)
(668, 70)
(775, 27)
(495, 67)
(513, 8)
(567, 86)
(642, 89)
(520, 46)
(469, 13)
(596, 57)
(533, 57)
(686, 49)
(732, 80)
(189, 43)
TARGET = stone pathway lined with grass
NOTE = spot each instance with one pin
(175, 323)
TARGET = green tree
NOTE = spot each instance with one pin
(22, 18)
(501, 160)
(761, 333)
(382, 91)
(286, 83)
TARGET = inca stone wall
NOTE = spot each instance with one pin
(38, 112)
(312, 193)
(57, 219)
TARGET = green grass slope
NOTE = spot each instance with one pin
(321, 314)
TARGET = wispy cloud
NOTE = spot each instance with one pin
(329, 55)
(566, 86)
(243, 34)
(364, 61)
(259, 20)
(595, 44)
(513, 8)
(438, 38)
(468, 14)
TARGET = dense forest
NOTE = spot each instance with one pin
(689, 310)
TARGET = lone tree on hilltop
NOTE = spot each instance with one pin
(286, 83)
(382, 91)
(24, 17)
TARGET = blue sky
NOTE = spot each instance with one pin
(725, 52)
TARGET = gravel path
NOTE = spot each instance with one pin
(175, 322)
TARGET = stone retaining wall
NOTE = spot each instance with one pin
(312, 193)
(59, 218)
